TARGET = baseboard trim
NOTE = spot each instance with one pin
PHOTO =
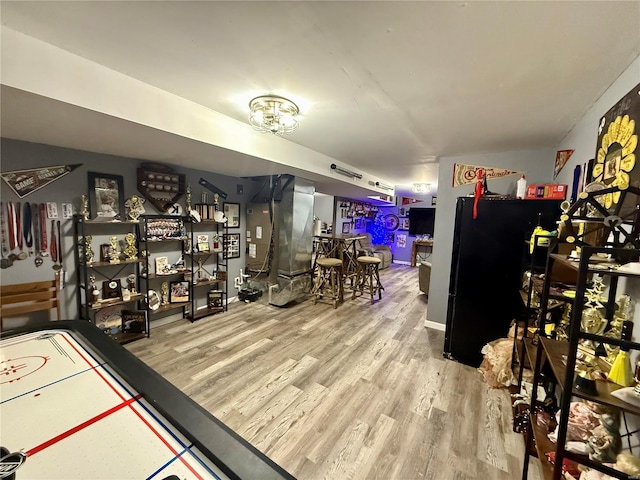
(401, 262)
(434, 325)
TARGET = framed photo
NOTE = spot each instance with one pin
(203, 243)
(162, 265)
(179, 292)
(433, 200)
(403, 211)
(106, 196)
(134, 321)
(231, 245)
(232, 212)
(214, 299)
(404, 223)
(346, 226)
(358, 224)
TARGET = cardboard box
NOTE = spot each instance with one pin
(546, 191)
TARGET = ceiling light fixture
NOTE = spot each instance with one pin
(384, 186)
(421, 188)
(346, 172)
(273, 114)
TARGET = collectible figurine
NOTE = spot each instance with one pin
(131, 283)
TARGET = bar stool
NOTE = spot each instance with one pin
(368, 278)
(330, 278)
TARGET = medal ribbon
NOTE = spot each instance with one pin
(43, 227)
(54, 244)
(11, 218)
(28, 235)
(18, 220)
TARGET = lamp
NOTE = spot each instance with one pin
(346, 172)
(273, 114)
(384, 186)
(421, 188)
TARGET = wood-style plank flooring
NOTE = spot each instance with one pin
(359, 392)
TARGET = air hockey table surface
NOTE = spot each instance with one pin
(74, 404)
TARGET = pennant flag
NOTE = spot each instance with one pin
(468, 174)
(409, 201)
(562, 156)
(24, 182)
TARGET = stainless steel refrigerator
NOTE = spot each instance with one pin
(486, 270)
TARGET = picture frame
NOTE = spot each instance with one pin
(203, 243)
(346, 226)
(162, 264)
(134, 321)
(111, 289)
(358, 224)
(404, 223)
(179, 291)
(232, 212)
(231, 245)
(106, 196)
(434, 200)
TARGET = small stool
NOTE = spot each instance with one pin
(330, 278)
(368, 278)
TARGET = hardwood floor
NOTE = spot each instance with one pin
(359, 392)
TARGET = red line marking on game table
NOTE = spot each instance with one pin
(81, 426)
(157, 434)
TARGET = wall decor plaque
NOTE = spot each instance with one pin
(161, 185)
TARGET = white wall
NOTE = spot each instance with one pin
(537, 165)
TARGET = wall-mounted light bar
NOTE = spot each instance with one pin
(384, 186)
(344, 171)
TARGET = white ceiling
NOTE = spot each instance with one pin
(386, 87)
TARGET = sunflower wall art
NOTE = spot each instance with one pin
(616, 150)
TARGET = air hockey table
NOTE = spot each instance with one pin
(74, 404)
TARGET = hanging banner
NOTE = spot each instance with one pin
(467, 174)
(409, 201)
(24, 182)
(562, 156)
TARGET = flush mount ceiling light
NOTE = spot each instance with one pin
(421, 188)
(273, 114)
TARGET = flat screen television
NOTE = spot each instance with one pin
(421, 221)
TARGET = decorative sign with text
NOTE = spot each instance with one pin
(24, 182)
(468, 174)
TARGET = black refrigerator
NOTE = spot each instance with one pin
(486, 270)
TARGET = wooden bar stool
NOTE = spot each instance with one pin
(368, 278)
(329, 278)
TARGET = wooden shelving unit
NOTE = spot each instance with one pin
(561, 358)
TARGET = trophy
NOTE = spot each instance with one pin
(95, 293)
(164, 290)
(134, 207)
(130, 250)
(143, 267)
(114, 253)
(189, 199)
(88, 252)
(199, 274)
(84, 209)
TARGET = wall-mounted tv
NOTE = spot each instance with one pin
(421, 221)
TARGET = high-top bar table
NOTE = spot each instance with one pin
(419, 244)
(342, 247)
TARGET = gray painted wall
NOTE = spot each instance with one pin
(17, 155)
(537, 165)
